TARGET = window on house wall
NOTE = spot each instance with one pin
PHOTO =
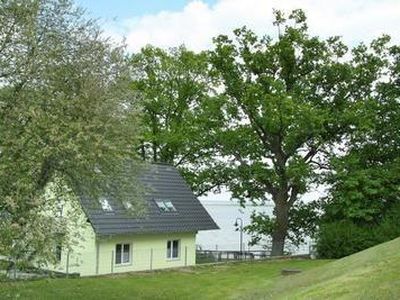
(58, 252)
(60, 209)
(173, 249)
(105, 205)
(165, 205)
(122, 254)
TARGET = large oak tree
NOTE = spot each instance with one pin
(285, 102)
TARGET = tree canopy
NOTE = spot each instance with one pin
(173, 86)
(263, 116)
(66, 113)
(267, 117)
(286, 102)
(365, 181)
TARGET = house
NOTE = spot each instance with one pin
(114, 241)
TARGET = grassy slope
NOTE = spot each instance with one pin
(371, 274)
(201, 282)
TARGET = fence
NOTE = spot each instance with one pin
(143, 259)
(210, 256)
(106, 260)
(303, 248)
(221, 252)
(213, 256)
(140, 259)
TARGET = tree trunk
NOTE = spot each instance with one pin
(281, 226)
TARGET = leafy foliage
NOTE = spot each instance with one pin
(303, 220)
(365, 182)
(285, 103)
(67, 115)
(339, 239)
(173, 85)
(344, 237)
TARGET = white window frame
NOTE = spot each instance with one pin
(59, 209)
(128, 205)
(168, 204)
(161, 206)
(123, 244)
(165, 206)
(58, 252)
(105, 205)
(170, 253)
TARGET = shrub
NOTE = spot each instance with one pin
(342, 238)
(389, 228)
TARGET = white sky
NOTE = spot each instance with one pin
(198, 22)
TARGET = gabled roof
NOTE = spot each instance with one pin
(161, 182)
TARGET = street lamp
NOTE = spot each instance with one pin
(241, 233)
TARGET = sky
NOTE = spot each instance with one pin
(122, 9)
(169, 23)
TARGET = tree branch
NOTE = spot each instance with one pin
(293, 194)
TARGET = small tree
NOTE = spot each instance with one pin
(66, 113)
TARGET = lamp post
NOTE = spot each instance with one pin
(241, 233)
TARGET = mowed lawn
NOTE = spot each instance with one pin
(225, 281)
(370, 274)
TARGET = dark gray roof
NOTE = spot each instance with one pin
(160, 182)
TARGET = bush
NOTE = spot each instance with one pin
(342, 238)
(339, 239)
(389, 228)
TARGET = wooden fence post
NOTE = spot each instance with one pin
(67, 266)
(185, 256)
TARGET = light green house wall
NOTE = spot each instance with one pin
(96, 256)
(92, 255)
(147, 252)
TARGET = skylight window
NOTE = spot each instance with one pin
(105, 205)
(128, 205)
(161, 205)
(169, 205)
(165, 205)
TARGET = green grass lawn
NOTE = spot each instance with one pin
(370, 274)
(201, 282)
